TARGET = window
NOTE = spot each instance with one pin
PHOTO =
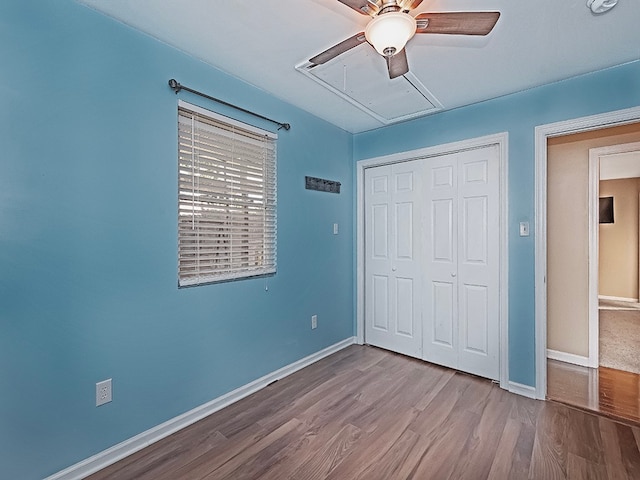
(227, 198)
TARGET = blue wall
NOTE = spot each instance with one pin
(88, 238)
(518, 114)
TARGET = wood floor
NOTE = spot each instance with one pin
(364, 413)
(610, 392)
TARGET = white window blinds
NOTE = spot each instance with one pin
(227, 198)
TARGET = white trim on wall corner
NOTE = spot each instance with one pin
(594, 262)
(524, 390)
(128, 447)
(617, 299)
(569, 358)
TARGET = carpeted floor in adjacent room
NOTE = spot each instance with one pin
(620, 339)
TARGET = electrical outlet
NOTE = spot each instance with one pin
(103, 392)
(314, 321)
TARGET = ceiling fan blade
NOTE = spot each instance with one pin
(365, 7)
(408, 4)
(338, 49)
(457, 23)
(398, 64)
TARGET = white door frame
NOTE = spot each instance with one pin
(594, 241)
(500, 139)
(542, 133)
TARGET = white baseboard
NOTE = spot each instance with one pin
(128, 447)
(524, 390)
(568, 358)
(617, 299)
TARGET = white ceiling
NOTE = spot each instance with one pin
(261, 42)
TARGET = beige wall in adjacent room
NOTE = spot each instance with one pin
(568, 234)
(618, 260)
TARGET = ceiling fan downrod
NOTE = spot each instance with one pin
(389, 6)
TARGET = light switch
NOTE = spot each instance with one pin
(335, 228)
(524, 229)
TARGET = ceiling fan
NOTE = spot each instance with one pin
(392, 27)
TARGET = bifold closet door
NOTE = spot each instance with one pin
(393, 197)
(461, 220)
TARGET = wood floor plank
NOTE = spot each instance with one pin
(391, 462)
(619, 393)
(579, 467)
(521, 460)
(205, 464)
(415, 384)
(173, 459)
(165, 455)
(583, 436)
(629, 450)
(297, 455)
(412, 459)
(252, 460)
(514, 451)
(610, 392)
(369, 357)
(549, 458)
(503, 460)
(323, 412)
(636, 434)
(613, 457)
(373, 446)
(381, 386)
(326, 456)
(307, 399)
(446, 446)
(440, 407)
(443, 379)
(275, 398)
(476, 394)
(370, 414)
(481, 446)
(525, 410)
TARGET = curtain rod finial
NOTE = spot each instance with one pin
(173, 83)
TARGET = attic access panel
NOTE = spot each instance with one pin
(360, 76)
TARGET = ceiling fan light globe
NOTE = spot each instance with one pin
(390, 32)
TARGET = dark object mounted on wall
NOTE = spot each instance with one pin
(321, 185)
(606, 210)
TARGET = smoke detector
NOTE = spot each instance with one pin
(601, 6)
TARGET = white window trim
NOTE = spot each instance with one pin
(227, 120)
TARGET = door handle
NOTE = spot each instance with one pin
(393, 269)
(453, 274)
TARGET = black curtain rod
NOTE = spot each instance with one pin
(175, 85)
